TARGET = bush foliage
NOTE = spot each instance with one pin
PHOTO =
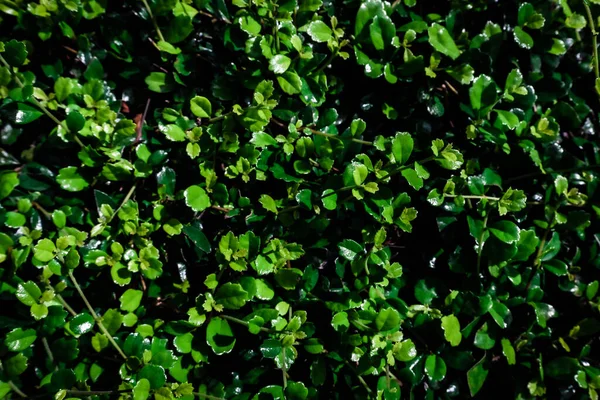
(299, 199)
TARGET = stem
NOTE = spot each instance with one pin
(15, 389)
(558, 171)
(125, 200)
(329, 135)
(480, 247)
(207, 396)
(360, 378)
(538, 257)
(283, 370)
(473, 197)
(327, 62)
(37, 103)
(242, 322)
(158, 32)
(48, 351)
(41, 209)
(594, 38)
(65, 305)
(96, 317)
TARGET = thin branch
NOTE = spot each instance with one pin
(594, 40)
(480, 247)
(158, 32)
(15, 389)
(329, 135)
(65, 305)
(473, 197)
(207, 396)
(284, 370)
(96, 317)
(125, 200)
(242, 322)
(49, 352)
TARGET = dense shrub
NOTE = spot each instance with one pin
(268, 199)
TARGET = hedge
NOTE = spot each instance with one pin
(299, 199)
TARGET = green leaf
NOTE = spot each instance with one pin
(14, 219)
(15, 53)
(508, 119)
(196, 198)
(349, 249)
(28, 293)
(198, 238)
(319, 31)
(158, 82)
(413, 178)
(219, 336)
(501, 314)
(279, 64)
(131, 299)
(8, 182)
(231, 295)
(154, 374)
(402, 147)
(290, 82)
(575, 21)
(15, 365)
(476, 377)
(141, 391)
(75, 121)
(405, 351)
(59, 218)
(451, 327)
(382, 31)
(562, 368)
(506, 231)
(509, 351)
(201, 107)
(82, 323)
(388, 319)
(168, 47)
(18, 339)
(329, 199)
(268, 203)
(340, 321)
(173, 132)
(24, 114)
(70, 180)
(435, 367)
(183, 343)
(44, 250)
(557, 267)
(523, 38)
(440, 39)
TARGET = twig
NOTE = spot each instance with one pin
(140, 127)
(480, 247)
(207, 396)
(96, 317)
(41, 209)
(49, 352)
(37, 103)
(329, 135)
(125, 200)
(473, 197)
(360, 378)
(15, 389)
(65, 305)
(242, 322)
(594, 40)
(284, 370)
(158, 32)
